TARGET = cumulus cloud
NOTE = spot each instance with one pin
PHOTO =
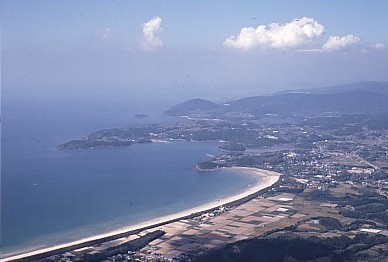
(378, 46)
(335, 43)
(278, 36)
(150, 33)
(373, 48)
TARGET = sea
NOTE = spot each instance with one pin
(50, 197)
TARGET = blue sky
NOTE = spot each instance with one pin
(197, 48)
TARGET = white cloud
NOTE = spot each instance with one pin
(365, 51)
(378, 46)
(335, 43)
(290, 35)
(150, 31)
(314, 50)
(107, 33)
(373, 48)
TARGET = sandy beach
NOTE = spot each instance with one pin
(267, 178)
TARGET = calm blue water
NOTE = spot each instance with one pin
(49, 196)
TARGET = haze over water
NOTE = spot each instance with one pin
(72, 68)
(49, 196)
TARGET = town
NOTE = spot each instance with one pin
(333, 187)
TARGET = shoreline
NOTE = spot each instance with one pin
(267, 179)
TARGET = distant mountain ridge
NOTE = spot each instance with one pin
(360, 98)
(371, 86)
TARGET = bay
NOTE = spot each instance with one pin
(50, 196)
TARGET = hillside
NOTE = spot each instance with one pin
(349, 102)
(370, 86)
(358, 98)
(191, 106)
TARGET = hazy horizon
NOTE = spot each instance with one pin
(221, 50)
(96, 136)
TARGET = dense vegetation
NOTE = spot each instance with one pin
(354, 99)
(368, 205)
(191, 105)
(292, 248)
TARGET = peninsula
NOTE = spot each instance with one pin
(329, 144)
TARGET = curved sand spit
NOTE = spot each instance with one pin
(267, 178)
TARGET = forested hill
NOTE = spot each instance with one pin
(193, 105)
(351, 99)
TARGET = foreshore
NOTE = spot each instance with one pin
(267, 179)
